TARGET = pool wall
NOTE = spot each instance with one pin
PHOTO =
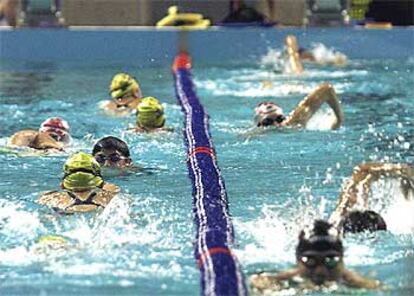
(148, 46)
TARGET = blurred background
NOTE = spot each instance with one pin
(62, 13)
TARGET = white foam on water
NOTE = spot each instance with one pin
(397, 209)
(17, 223)
(275, 232)
(323, 119)
(325, 55)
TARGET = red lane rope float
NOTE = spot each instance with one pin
(206, 150)
(212, 251)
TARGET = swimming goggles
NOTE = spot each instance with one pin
(114, 157)
(270, 121)
(313, 261)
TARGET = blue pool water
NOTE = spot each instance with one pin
(277, 181)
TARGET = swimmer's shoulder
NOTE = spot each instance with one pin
(149, 131)
(23, 138)
(55, 199)
(110, 108)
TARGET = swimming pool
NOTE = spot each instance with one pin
(142, 243)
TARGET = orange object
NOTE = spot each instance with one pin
(182, 61)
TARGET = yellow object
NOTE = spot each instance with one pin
(56, 239)
(123, 84)
(150, 113)
(82, 172)
(185, 21)
(382, 25)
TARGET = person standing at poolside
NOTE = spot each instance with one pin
(125, 93)
(8, 13)
(270, 114)
(84, 189)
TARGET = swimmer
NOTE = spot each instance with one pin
(150, 116)
(52, 134)
(125, 93)
(352, 213)
(112, 152)
(269, 114)
(293, 59)
(84, 189)
(319, 263)
(322, 55)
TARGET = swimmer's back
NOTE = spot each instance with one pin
(69, 202)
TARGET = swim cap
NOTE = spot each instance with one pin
(56, 126)
(150, 113)
(266, 113)
(82, 172)
(123, 84)
(357, 221)
(322, 237)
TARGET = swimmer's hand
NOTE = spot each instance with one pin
(268, 281)
(353, 279)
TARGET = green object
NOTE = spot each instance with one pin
(82, 161)
(150, 113)
(82, 172)
(123, 84)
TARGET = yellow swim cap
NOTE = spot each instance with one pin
(150, 113)
(123, 84)
(82, 172)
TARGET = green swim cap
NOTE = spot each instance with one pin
(123, 84)
(82, 172)
(150, 113)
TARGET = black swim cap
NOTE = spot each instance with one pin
(322, 237)
(111, 143)
(358, 221)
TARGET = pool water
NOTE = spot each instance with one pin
(277, 181)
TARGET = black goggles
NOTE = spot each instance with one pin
(312, 261)
(271, 120)
(114, 157)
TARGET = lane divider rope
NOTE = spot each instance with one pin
(220, 271)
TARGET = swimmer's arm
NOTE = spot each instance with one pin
(353, 279)
(293, 56)
(111, 188)
(264, 281)
(325, 93)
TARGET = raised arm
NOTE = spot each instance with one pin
(295, 65)
(325, 93)
(356, 191)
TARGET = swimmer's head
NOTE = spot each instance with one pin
(82, 172)
(57, 128)
(124, 88)
(112, 152)
(150, 113)
(319, 253)
(267, 114)
(359, 221)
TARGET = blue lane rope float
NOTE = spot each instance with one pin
(220, 271)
